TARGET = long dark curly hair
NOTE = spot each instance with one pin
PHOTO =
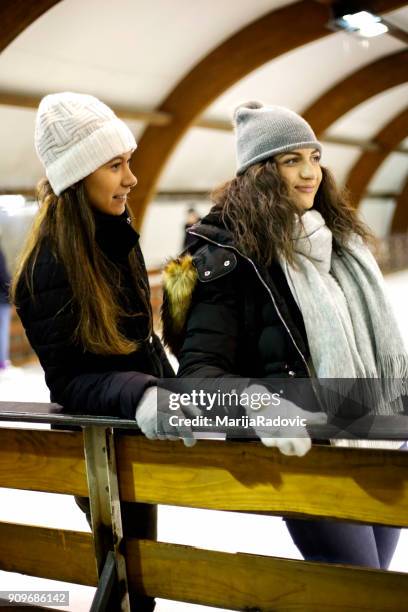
(256, 207)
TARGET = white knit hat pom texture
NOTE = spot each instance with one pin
(264, 131)
(75, 134)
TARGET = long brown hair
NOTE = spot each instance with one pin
(257, 208)
(67, 222)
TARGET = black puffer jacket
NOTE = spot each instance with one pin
(81, 381)
(233, 318)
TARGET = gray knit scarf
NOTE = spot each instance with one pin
(351, 329)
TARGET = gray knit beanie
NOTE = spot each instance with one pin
(75, 134)
(264, 131)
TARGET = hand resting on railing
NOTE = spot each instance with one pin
(291, 439)
(152, 416)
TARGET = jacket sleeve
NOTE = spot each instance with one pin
(210, 347)
(49, 319)
(105, 394)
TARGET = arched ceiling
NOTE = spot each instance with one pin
(220, 69)
(358, 87)
(236, 57)
(167, 63)
(388, 139)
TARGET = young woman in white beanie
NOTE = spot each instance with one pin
(280, 285)
(81, 287)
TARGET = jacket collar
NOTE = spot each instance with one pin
(114, 234)
(212, 228)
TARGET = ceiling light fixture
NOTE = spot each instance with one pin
(348, 17)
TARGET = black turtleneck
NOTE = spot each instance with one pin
(116, 238)
(115, 235)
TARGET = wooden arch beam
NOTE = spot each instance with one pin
(272, 35)
(17, 15)
(368, 163)
(400, 219)
(363, 84)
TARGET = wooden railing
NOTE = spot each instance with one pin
(368, 486)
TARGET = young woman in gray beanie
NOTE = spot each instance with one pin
(81, 286)
(280, 284)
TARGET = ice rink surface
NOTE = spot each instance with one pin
(225, 531)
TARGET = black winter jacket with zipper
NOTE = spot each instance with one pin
(81, 381)
(239, 320)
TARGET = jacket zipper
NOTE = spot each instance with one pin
(266, 287)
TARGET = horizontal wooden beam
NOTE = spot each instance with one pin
(198, 196)
(222, 125)
(184, 573)
(183, 195)
(364, 145)
(380, 195)
(252, 582)
(9, 98)
(48, 553)
(35, 460)
(342, 483)
(162, 119)
(151, 117)
(28, 193)
(395, 31)
(161, 195)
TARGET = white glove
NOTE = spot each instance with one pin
(153, 417)
(299, 442)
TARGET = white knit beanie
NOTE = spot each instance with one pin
(264, 131)
(75, 134)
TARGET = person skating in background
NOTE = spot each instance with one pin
(192, 218)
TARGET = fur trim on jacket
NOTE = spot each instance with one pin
(179, 280)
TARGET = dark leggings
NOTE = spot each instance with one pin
(349, 543)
